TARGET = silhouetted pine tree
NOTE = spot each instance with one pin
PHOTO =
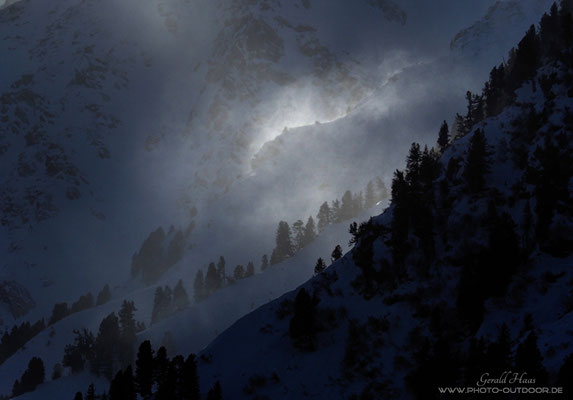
(477, 165)
(128, 332)
(199, 287)
(324, 216)
(180, 297)
(239, 272)
(79, 396)
(33, 376)
(144, 370)
(103, 296)
(250, 269)
(444, 136)
(122, 386)
(106, 347)
(81, 351)
(284, 248)
(59, 312)
(302, 328)
(298, 235)
(212, 279)
(264, 262)
(90, 394)
(335, 215)
(320, 266)
(162, 304)
(336, 253)
(309, 232)
(190, 385)
(221, 271)
(160, 367)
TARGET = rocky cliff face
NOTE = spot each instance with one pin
(16, 298)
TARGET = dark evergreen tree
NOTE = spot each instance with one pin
(264, 262)
(215, 393)
(336, 253)
(239, 272)
(212, 279)
(128, 332)
(144, 370)
(324, 216)
(190, 385)
(221, 271)
(400, 219)
(320, 266)
(90, 394)
(250, 269)
(81, 351)
(526, 59)
(370, 198)
(57, 371)
(106, 347)
(477, 165)
(302, 328)
(79, 396)
(309, 232)
(335, 214)
(59, 312)
(298, 233)
(382, 190)
(103, 296)
(161, 366)
(347, 207)
(83, 303)
(32, 377)
(444, 136)
(284, 248)
(199, 287)
(528, 359)
(122, 386)
(180, 297)
(413, 167)
(162, 304)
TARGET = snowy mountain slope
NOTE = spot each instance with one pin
(368, 339)
(109, 128)
(139, 211)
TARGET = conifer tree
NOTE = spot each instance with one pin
(144, 370)
(81, 351)
(443, 136)
(106, 347)
(298, 233)
(565, 373)
(264, 262)
(335, 215)
(221, 271)
(190, 385)
(59, 312)
(477, 164)
(369, 195)
(309, 232)
(499, 352)
(162, 304)
(336, 253)
(320, 266)
(382, 189)
(199, 287)
(347, 207)
(180, 297)
(103, 296)
(79, 396)
(239, 272)
(212, 279)
(128, 332)
(90, 394)
(160, 366)
(250, 269)
(32, 377)
(302, 328)
(284, 248)
(324, 216)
